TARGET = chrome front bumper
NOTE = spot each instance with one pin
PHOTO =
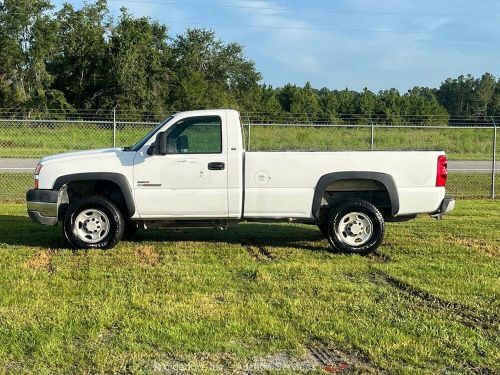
(43, 206)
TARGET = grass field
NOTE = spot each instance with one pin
(254, 297)
(22, 140)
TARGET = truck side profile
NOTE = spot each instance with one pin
(192, 171)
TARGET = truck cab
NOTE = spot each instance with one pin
(191, 168)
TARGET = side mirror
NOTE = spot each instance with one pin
(159, 147)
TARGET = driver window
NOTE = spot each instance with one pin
(198, 135)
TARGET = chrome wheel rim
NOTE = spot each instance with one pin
(354, 229)
(91, 226)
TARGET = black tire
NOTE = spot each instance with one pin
(108, 213)
(342, 240)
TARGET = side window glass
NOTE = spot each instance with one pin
(199, 135)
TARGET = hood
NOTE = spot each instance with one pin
(102, 152)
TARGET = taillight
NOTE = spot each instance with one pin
(37, 172)
(442, 171)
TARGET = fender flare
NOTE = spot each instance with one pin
(383, 178)
(116, 178)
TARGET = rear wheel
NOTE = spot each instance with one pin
(355, 226)
(93, 222)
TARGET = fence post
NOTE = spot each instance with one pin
(372, 135)
(114, 127)
(494, 161)
(248, 140)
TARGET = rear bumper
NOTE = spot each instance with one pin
(43, 206)
(447, 205)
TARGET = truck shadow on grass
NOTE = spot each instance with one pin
(252, 236)
(20, 231)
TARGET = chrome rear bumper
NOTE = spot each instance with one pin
(447, 205)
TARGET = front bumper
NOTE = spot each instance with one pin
(447, 205)
(43, 206)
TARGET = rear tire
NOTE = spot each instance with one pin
(356, 227)
(93, 222)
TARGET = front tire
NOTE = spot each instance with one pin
(355, 226)
(93, 222)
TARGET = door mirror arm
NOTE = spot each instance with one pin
(151, 150)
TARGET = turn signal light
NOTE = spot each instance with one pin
(37, 172)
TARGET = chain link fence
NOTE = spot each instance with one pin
(470, 144)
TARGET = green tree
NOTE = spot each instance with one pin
(209, 73)
(347, 100)
(329, 104)
(306, 103)
(27, 41)
(81, 66)
(485, 91)
(458, 95)
(140, 57)
(268, 101)
(390, 105)
(367, 102)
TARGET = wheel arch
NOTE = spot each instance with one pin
(115, 178)
(383, 178)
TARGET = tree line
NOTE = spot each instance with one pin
(73, 59)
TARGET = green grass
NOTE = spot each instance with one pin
(21, 140)
(462, 185)
(254, 295)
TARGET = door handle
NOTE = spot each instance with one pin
(216, 166)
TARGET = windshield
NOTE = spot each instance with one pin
(143, 141)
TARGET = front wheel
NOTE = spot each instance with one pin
(355, 226)
(93, 222)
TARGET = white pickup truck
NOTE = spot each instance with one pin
(192, 171)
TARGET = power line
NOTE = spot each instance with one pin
(304, 28)
(297, 28)
(284, 9)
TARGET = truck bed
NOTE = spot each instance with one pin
(282, 184)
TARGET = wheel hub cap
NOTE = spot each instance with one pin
(91, 226)
(354, 229)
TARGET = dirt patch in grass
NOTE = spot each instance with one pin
(376, 256)
(147, 255)
(334, 361)
(258, 252)
(41, 261)
(482, 246)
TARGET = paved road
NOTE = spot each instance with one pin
(462, 166)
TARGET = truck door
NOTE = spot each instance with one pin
(191, 180)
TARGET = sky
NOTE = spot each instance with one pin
(344, 43)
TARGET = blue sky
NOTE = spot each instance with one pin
(463, 38)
